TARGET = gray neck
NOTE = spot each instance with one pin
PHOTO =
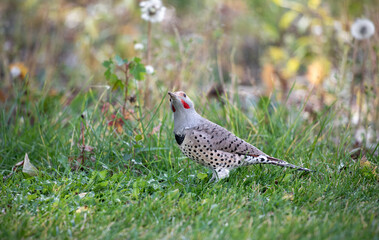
(184, 119)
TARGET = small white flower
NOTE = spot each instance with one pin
(74, 18)
(149, 69)
(152, 10)
(138, 46)
(316, 30)
(362, 29)
(15, 71)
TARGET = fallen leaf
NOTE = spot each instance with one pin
(86, 148)
(14, 168)
(28, 167)
(116, 122)
(82, 209)
(288, 196)
(82, 195)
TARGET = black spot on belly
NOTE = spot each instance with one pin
(179, 138)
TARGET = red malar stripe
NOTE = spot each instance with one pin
(185, 105)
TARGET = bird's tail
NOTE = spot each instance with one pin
(260, 159)
(279, 162)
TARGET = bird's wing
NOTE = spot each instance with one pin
(216, 137)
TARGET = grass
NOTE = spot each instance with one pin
(145, 188)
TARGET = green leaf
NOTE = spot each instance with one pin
(107, 63)
(101, 185)
(108, 74)
(32, 197)
(102, 174)
(137, 69)
(115, 82)
(119, 61)
(174, 194)
(138, 137)
(202, 176)
(136, 60)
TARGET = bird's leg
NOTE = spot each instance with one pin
(214, 177)
(222, 173)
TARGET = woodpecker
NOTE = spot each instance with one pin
(211, 145)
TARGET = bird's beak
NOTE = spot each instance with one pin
(172, 95)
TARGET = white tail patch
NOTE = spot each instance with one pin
(256, 160)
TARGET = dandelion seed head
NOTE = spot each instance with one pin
(152, 10)
(138, 46)
(362, 29)
(149, 69)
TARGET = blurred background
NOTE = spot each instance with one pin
(292, 52)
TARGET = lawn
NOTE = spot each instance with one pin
(87, 149)
(137, 184)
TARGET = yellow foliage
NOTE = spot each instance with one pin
(277, 2)
(318, 70)
(276, 54)
(314, 4)
(364, 163)
(291, 68)
(287, 19)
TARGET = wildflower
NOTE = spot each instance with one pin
(74, 18)
(362, 29)
(138, 46)
(15, 71)
(152, 10)
(18, 70)
(149, 69)
(316, 30)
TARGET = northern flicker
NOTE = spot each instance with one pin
(212, 145)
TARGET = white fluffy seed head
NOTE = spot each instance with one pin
(152, 10)
(362, 29)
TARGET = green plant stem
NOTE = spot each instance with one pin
(126, 87)
(375, 102)
(147, 97)
(355, 51)
(361, 90)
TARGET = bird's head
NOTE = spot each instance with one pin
(180, 102)
(185, 115)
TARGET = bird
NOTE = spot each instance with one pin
(211, 145)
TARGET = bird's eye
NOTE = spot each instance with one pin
(184, 95)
